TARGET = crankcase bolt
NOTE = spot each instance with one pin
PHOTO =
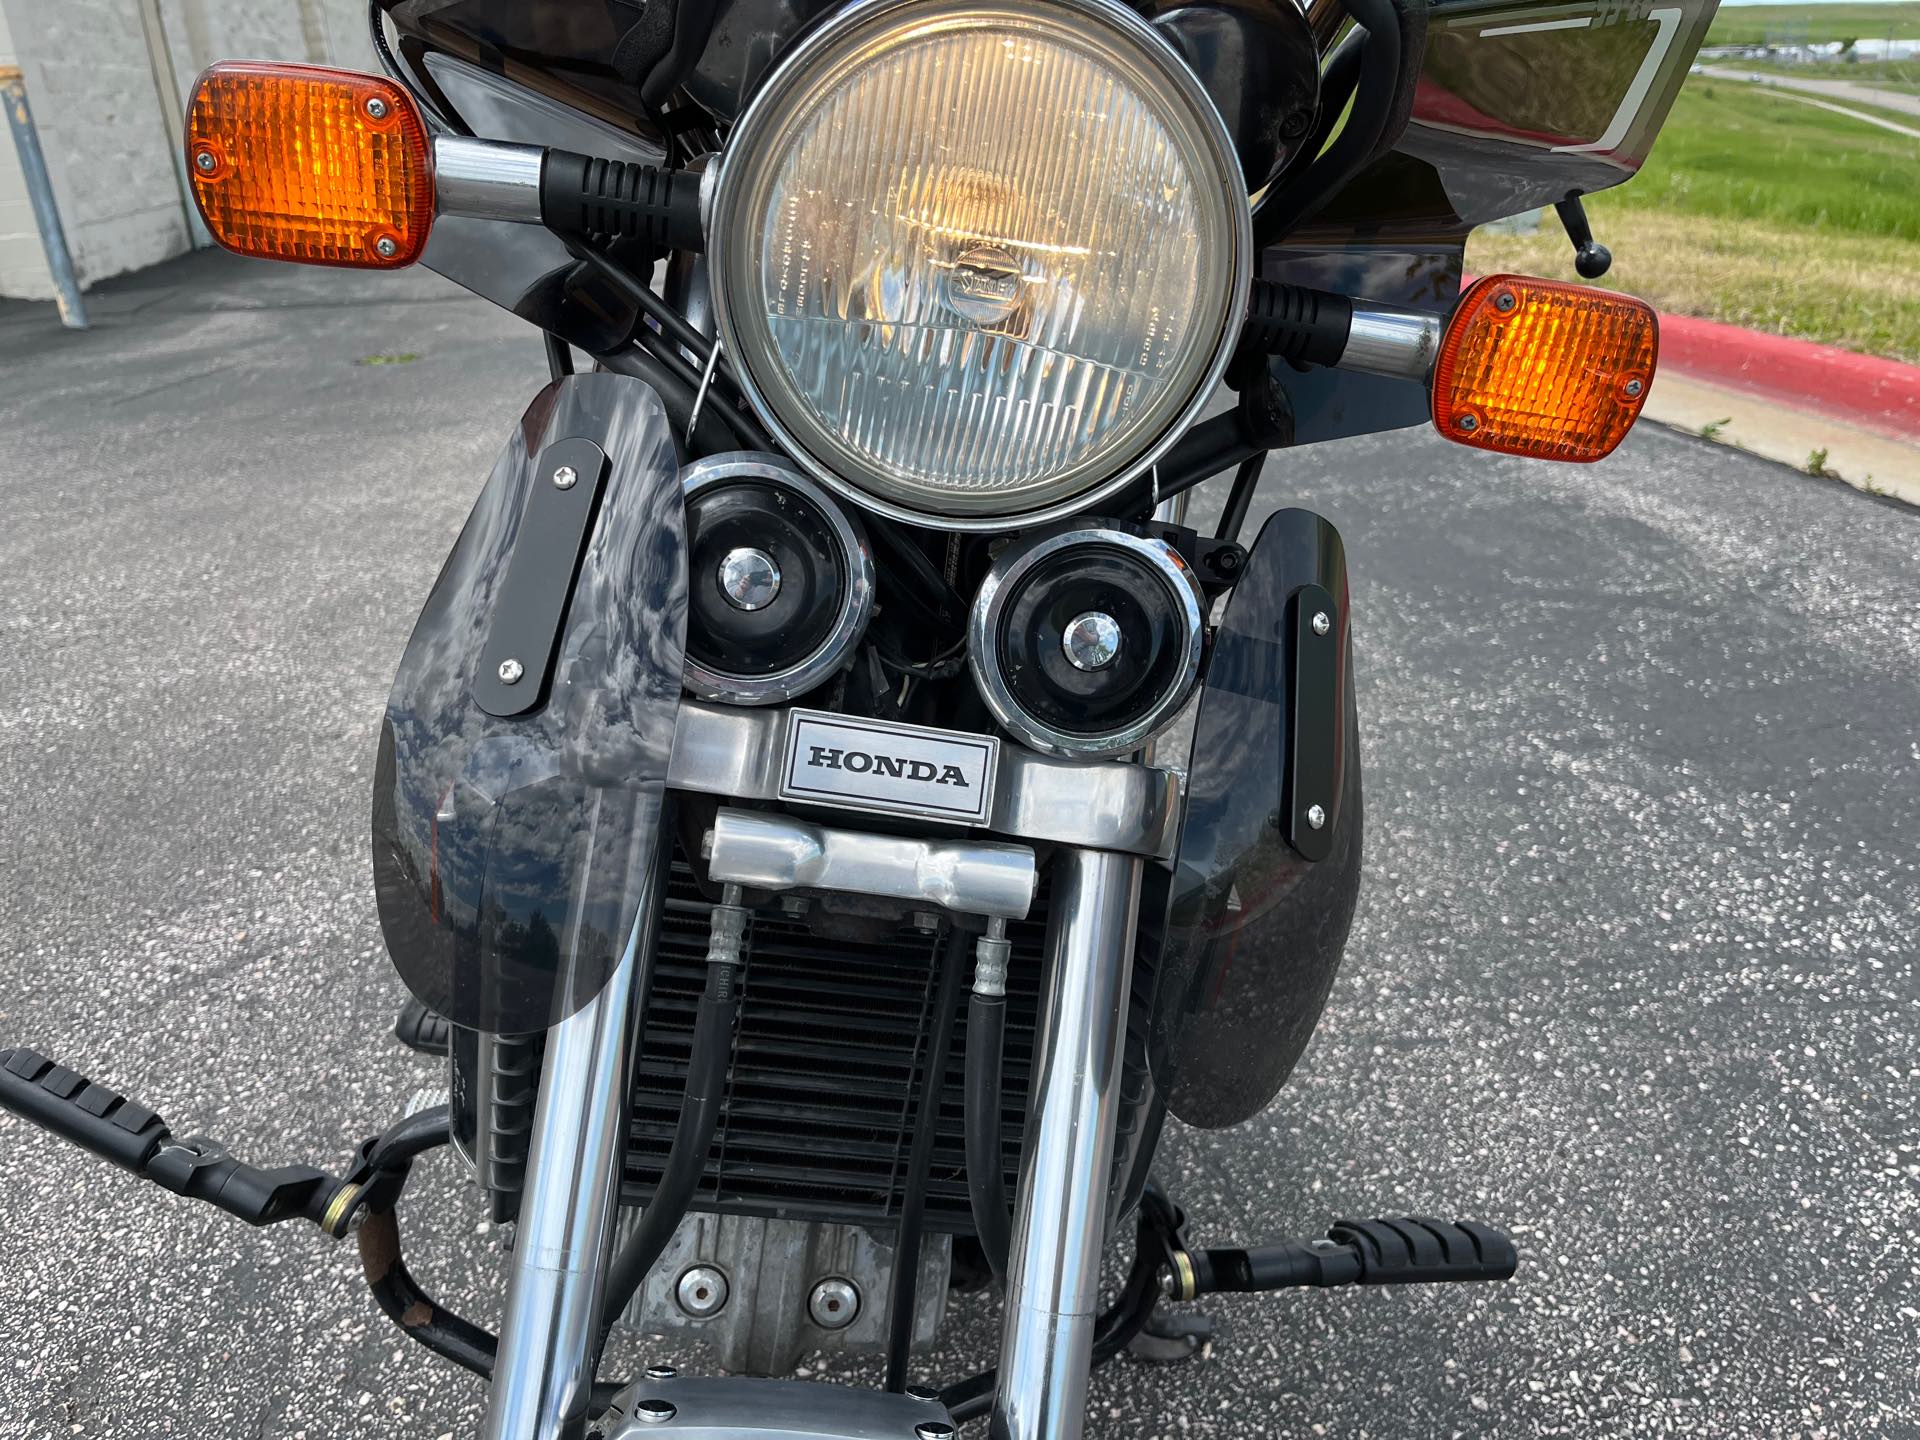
(834, 1303)
(702, 1292)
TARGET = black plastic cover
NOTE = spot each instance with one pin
(511, 853)
(1255, 929)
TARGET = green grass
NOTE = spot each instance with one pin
(1859, 107)
(1730, 152)
(1764, 212)
(1901, 75)
(1750, 24)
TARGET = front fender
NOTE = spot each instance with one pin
(520, 785)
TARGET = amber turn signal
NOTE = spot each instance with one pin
(326, 167)
(1535, 367)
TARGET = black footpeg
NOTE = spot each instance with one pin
(1355, 1252)
(422, 1030)
(136, 1139)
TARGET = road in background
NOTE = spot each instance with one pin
(1834, 89)
(1633, 975)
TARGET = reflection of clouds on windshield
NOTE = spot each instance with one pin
(1254, 932)
(510, 855)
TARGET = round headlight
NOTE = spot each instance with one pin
(979, 261)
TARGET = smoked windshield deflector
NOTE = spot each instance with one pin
(1254, 928)
(520, 784)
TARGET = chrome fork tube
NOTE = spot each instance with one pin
(1053, 1276)
(543, 1379)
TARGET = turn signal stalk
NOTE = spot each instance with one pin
(331, 167)
(1544, 369)
(293, 162)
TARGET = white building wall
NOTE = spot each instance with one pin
(107, 102)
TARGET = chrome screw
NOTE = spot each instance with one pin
(654, 1411)
(1468, 424)
(702, 1292)
(933, 1430)
(1091, 641)
(1634, 387)
(924, 1393)
(834, 1304)
(510, 671)
(564, 478)
(1321, 624)
(1316, 817)
(385, 247)
(661, 1372)
(749, 578)
(205, 162)
(376, 108)
(1505, 301)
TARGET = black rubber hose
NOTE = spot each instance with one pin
(700, 1107)
(986, 1165)
(913, 1205)
(712, 436)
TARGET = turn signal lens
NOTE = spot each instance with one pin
(293, 162)
(1538, 368)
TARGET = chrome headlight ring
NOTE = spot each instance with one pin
(1102, 456)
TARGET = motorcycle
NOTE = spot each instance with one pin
(833, 808)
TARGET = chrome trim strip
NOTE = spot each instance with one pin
(1059, 1225)
(487, 179)
(989, 606)
(777, 852)
(1400, 344)
(543, 1380)
(737, 752)
(810, 670)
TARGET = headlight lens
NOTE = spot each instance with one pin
(976, 260)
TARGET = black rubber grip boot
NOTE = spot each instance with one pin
(1308, 326)
(74, 1108)
(1416, 1251)
(580, 195)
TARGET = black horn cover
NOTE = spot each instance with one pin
(1261, 899)
(517, 806)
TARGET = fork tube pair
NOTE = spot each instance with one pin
(543, 1381)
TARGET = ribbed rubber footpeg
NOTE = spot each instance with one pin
(135, 1138)
(1410, 1251)
(1417, 1251)
(421, 1030)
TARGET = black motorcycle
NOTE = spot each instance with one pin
(833, 808)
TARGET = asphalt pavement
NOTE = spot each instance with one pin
(1634, 973)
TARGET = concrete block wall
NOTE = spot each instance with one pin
(107, 80)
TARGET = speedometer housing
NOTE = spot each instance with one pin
(979, 263)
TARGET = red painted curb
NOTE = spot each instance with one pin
(1864, 390)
